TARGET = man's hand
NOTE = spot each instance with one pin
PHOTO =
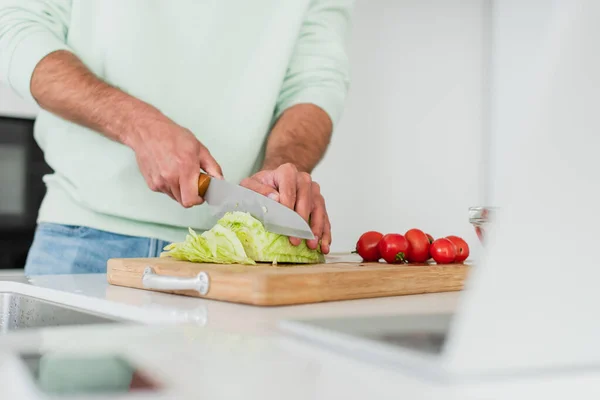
(296, 190)
(296, 144)
(170, 158)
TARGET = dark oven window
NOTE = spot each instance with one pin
(22, 167)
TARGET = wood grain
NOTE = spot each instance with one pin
(203, 183)
(267, 285)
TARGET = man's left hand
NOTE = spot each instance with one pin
(296, 190)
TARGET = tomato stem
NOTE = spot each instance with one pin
(401, 257)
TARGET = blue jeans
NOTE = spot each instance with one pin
(68, 249)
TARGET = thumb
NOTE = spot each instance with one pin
(210, 165)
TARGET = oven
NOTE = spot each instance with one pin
(22, 167)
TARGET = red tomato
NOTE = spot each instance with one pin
(443, 251)
(430, 241)
(394, 247)
(419, 246)
(366, 246)
(462, 248)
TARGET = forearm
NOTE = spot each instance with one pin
(63, 85)
(300, 137)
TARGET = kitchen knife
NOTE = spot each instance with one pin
(276, 217)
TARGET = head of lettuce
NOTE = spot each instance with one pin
(239, 238)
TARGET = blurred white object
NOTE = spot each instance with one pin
(531, 303)
(534, 302)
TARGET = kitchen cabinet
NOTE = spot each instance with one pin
(22, 166)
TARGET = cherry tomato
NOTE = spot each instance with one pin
(430, 241)
(366, 246)
(462, 248)
(443, 251)
(394, 247)
(419, 246)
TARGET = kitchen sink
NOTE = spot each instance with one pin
(18, 312)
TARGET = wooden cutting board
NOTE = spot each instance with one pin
(340, 278)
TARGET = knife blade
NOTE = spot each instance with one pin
(276, 217)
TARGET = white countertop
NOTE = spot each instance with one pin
(209, 349)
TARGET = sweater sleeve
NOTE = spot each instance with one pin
(29, 31)
(318, 72)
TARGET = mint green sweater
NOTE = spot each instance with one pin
(225, 69)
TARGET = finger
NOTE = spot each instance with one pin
(188, 183)
(210, 165)
(304, 195)
(326, 240)
(169, 182)
(166, 190)
(157, 184)
(175, 190)
(304, 201)
(286, 182)
(261, 188)
(318, 219)
(328, 231)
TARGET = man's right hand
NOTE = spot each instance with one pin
(170, 157)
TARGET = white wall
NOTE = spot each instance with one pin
(408, 150)
(519, 30)
(13, 105)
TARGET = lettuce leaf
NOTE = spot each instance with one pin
(218, 245)
(239, 238)
(264, 246)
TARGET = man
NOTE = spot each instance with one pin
(137, 96)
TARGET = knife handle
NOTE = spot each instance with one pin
(203, 182)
